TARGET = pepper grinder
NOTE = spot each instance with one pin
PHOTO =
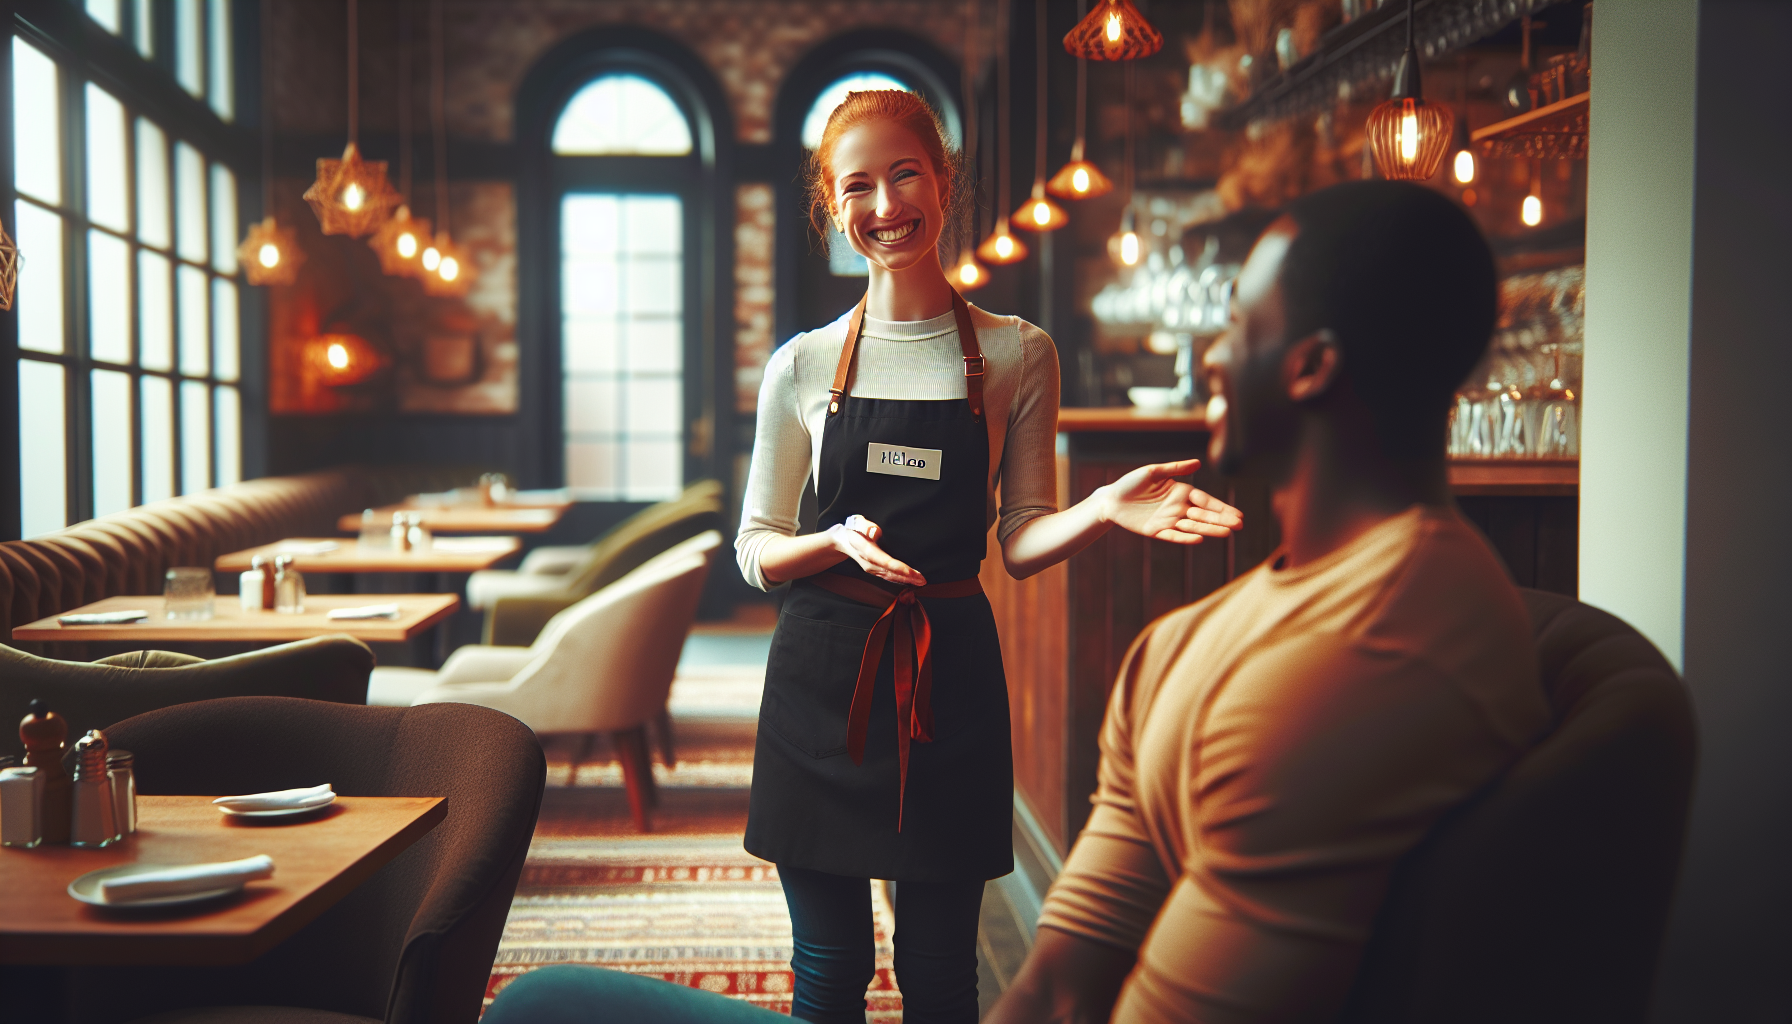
(92, 823)
(43, 732)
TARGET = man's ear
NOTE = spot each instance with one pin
(1310, 365)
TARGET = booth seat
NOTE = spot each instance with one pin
(128, 552)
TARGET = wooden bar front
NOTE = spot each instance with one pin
(1065, 631)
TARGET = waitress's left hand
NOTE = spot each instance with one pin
(1150, 503)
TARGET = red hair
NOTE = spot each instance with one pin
(859, 108)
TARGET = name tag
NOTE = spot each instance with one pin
(889, 459)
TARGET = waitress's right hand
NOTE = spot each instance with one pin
(857, 539)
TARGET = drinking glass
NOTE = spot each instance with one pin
(187, 593)
(373, 533)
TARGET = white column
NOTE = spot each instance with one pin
(1639, 298)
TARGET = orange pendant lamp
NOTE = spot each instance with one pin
(1409, 136)
(1080, 179)
(1001, 247)
(1114, 30)
(1039, 213)
(9, 269)
(269, 254)
(351, 196)
(447, 271)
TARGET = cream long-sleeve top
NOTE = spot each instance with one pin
(916, 361)
(1271, 753)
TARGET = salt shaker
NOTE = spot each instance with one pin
(92, 822)
(289, 587)
(21, 807)
(250, 584)
(373, 535)
(401, 532)
(417, 537)
(43, 731)
(121, 772)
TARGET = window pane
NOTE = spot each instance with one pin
(155, 312)
(591, 407)
(109, 298)
(158, 439)
(223, 219)
(195, 437)
(655, 346)
(36, 120)
(652, 285)
(189, 208)
(145, 28)
(217, 29)
(111, 442)
(229, 425)
(589, 346)
(653, 407)
(591, 466)
(188, 47)
(106, 13)
(43, 449)
(152, 184)
(654, 471)
(622, 114)
(105, 160)
(225, 343)
(40, 277)
(195, 336)
(816, 121)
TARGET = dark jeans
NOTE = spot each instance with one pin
(936, 947)
(577, 994)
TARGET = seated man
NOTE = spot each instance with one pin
(1271, 752)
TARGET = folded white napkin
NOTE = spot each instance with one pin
(303, 547)
(471, 545)
(185, 878)
(366, 611)
(280, 800)
(103, 618)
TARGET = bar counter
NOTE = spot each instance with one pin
(1065, 630)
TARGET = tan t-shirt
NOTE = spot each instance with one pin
(1270, 753)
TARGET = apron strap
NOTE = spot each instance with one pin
(967, 344)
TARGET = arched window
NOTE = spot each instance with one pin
(624, 157)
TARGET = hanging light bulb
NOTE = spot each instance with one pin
(1463, 164)
(1039, 213)
(1079, 179)
(1114, 30)
(452, 273)
(399, 244)
(1408, 135)
(342, 358)
(969, 274)
(1125, 247)
(448, 271)
(1001, 247)
(270, 254)
(351, 196)
(1531, 212)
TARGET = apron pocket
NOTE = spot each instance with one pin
(809, 681)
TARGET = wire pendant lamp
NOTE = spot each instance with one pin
(9, 268)
(1409, 136)
(351, 196)
(399, 243)
(1114, 30)
(1124, 246)
(447, 270)
(1001, 247)
(1039, 213)
(269, 254)
(968, 274)
(1080, 179)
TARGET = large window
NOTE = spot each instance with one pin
(626, 154)
(127, 300)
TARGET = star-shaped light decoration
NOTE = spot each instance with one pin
(400, 242)
(270, 254)
(351, 196)
(448, 272)
(9, 268)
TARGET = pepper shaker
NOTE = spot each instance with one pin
(289, 587)
(43, 732)
(93, 825)
(121, 772)
(401, 532)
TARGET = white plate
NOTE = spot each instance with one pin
(281, 812)
(87, 888)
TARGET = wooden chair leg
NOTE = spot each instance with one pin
(631, 751)
(579, 753)
(644, 743)
(663, 725)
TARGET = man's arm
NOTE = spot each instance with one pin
(1067, 979)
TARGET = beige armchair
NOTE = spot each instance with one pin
(603, 665)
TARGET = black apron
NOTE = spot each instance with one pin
(831, 797)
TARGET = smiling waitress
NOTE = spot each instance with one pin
(883, 747)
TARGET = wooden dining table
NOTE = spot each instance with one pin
(318, 859)
(506, 518)
(323, 554)
(230, 623)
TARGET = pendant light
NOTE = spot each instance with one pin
(1531, 212)
(9, 268)
(1001, 247)
(1408, 135)
(1462, 165)
(968, 274)
(1039, 213)
(399, 243)
(351, 196)
(1114, 30)
(269, 253)
(1080, 179)
(1124, 247)
(447, 270)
